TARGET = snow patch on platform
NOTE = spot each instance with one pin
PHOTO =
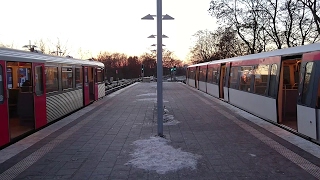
(155, 155)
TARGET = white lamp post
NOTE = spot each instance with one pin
(160, 17)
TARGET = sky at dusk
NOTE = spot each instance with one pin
(103, 25)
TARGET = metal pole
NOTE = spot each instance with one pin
(159, 68)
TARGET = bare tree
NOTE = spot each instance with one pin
(7, 45)
(132, 70)
(227, 44)
(266, 24)
(203, 49)
(170, 60)
(149, 62)
(242, 16)
(42, 46)
(84, 54)
(314, 7)
(59, 48)
(268, 11)
(221, 44)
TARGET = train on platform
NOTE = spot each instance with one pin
(280, 86)
(37, 89)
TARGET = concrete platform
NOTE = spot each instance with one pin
(205, 138)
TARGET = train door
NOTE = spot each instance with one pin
(288, 91)
(225, 82)
(86, 93)
(95, 80)
(91, 83)
(20, 98)
(221, 77)
(309, 96)
(4, 120)
(197, 77)
(39, 95)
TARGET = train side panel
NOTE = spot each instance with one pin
(307, 121)
(309, 96)
(191, 82)
(261, 106)
(202, 86)
(226, 94)
(62, 104)
(213, 89)
(101, 90)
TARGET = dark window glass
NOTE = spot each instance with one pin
(79, 77)
(191, 74)
(261, 79)
(52, 83)
(234, 78)
(215, 75)
(209, 78)
(1, 86)
(66, 73)
(245, 78)
(318, 97)
(100, 75)
(273, 81)
(38, 80)
(9, 78)
(202, 75)
(307, 86)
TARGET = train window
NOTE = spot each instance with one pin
(38, 80)
(234, 78)
(100, 75)
(273, 81)
(191, 74)
(215, 75)
(1, 86)
(66, 76)
(52, 83)
(79, 77)
(261, 79)
(9, 78)
(245, 78)
(307, 86)
(85, 75)
(209, 78)
(203, 74)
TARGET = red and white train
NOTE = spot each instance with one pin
(281, 86)
(36, 89)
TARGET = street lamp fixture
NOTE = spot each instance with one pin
(154, 36)
(156, 45)
(56, 52)
(30, 47)
(151, 17)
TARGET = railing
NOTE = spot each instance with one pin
(116, 85)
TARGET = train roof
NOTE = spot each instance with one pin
(26, 56)
(200, 64)
(279, 52)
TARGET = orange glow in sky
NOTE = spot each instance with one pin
(103, 25)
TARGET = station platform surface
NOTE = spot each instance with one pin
(205, 138)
